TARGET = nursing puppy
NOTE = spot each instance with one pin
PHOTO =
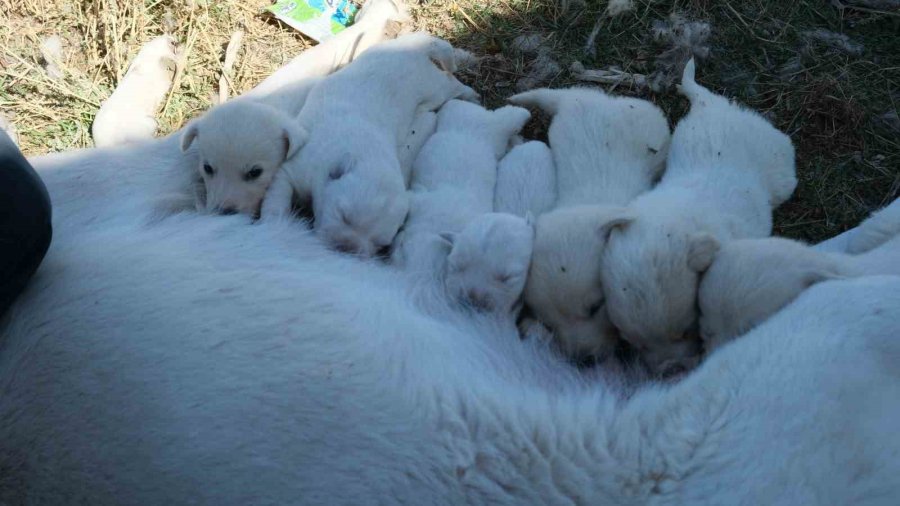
(453, 180)
(488, 262)
(727, 169)
(356, 119)
(752, 279)
(526, 180)
(129, 114)
(607, 150)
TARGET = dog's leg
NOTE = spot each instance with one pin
(129, 114)
(279, 197)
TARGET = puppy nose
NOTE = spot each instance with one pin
(345, 247)
(228, 211)
(478, 300)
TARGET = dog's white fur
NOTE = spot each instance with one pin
(454, 177)
(356, 119)
(488, 263)
(607, 150)
(727, 168)
(129, 114)
(207, 360)
(526, 180)
(752, 279)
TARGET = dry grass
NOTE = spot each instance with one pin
(827, 99)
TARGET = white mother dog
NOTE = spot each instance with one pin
(200, 359)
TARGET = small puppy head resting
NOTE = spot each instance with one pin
(752, 279)
(651, 268)
(361, 205)
(241, 144)
(488, 262)
(564, 287)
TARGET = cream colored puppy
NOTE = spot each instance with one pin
(129, 114)
(488, 262)
(727, 168)
(607, 151)
(242, 144)
(454, 177)
(752, 279)
(356, 119)
(526, 180)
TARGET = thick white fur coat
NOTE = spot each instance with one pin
(207, 359)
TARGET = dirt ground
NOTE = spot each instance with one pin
(826, 72)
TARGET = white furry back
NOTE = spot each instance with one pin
(526, 180)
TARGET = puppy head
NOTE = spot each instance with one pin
(651, 268)
(564, 286)
(498, 127)
(488, 262)
(360, 207)
(752, 279)
(241, 144)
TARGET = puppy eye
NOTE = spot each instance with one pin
(383, 251)
(595, 308)
(208, 169)
(253, 173)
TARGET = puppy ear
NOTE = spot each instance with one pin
(702, 249)
(295, 136)
(448, 237)
(619, 220)
(190, 133)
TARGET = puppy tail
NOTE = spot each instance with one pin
(544, 99)
(876, 230)
(689, 87)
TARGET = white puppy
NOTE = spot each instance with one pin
(356, 119)
(241, 146)
(454, 178)
(752, 279)
(526, 180)
(607, 150)
(488, 263)
(727, 168)
(129, 114)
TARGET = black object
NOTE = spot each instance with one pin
(25, 228)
